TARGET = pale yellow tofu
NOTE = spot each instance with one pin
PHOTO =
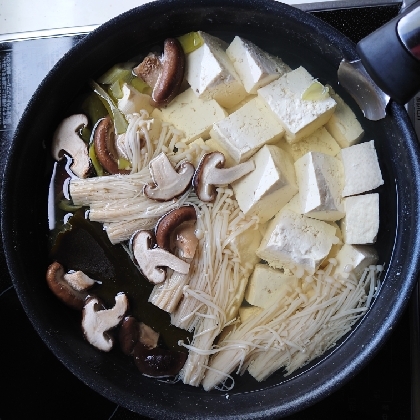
(193, 115)
(343, 124)
(361, 224)
(320, 180)
(245, 131)
(354, 258)
(296, 241)
(335, 248)
(319, 141)
(248, 312)
(255, 67)
(211, 74)
(300, 117)
(265, 190)
(246, 244)
(267, 284)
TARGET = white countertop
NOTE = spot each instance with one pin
(24, 16)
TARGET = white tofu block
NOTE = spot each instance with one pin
(193, 115)
(296, 241)
(240, 104)
(354, 258)
(255, 67)
(215, 146)
(271, 185)
(320, 179)
(267, 284)
(247, 312)
(133, 101)
(319, 141)
(361, 223)
(246, 245)
(361, 169)
(343, 124)
(299, 117)
(335, 248)
(211, 74)
(246, 130)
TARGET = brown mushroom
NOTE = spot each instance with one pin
(132, 332)
(177, 228)
(211, 172)
(153, 261)
(168, 182)
(164, 74)
(158, 362)
(66, 137)
(105, 149)
(98, 321)
(69, 288)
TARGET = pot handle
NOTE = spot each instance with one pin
(391, 55)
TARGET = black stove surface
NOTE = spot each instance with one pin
(34, 383)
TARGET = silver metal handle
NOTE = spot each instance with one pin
(408, 29)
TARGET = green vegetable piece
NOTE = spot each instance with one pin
(115, 90)
(190, 41)
(120, 123)
(93, 108)
(85, 134)
(67, 205)
(92, 154)
(140, 85)
(316, 92)
(124, 164)
(122, 71)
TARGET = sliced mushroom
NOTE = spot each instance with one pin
(158, 362)
(69, 288)
(78, 280)
(177, 228)
(132, 332)
(97, 321)
(169, 183)
(210, 173)
(164, 74)
(105, 146)
(152, 261)
(149, 69)
(66, 138)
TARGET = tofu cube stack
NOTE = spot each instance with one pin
(312, 186)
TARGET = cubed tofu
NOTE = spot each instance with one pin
(296, 241)
(211, 74)
(319, 141)
(133, 101)
(246, 245)
(361, 223)
(361, 169)
(354, 258)
(255, 67)
(215, 146)
(335, 248)
(271, 185)
(247, 312)
(267, 284)
(245, 131)
(156, 126)
(320, 180)
(193, 115)
(299, 117)
(343, 124)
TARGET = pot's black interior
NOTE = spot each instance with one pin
(299, 39)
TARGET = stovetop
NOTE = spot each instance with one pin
(33, 381)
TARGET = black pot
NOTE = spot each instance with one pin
(299, 39)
